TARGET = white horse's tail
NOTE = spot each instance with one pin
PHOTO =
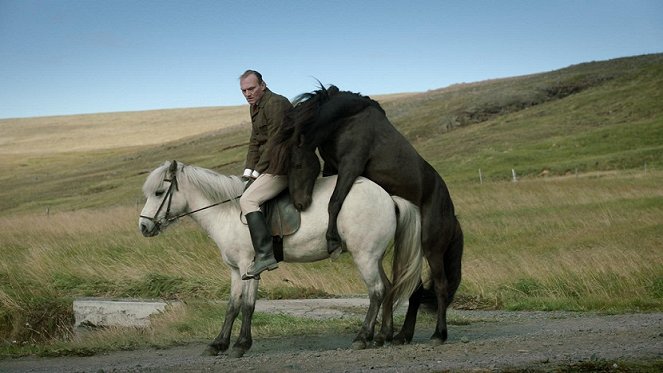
(407, 264)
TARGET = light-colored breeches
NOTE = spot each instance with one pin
(264, 188)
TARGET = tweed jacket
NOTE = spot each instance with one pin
(267, 116)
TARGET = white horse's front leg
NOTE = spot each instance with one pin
(222, 341)
(248, 305)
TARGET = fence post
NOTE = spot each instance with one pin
(480, 177)
(513, 174)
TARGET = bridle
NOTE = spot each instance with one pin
(167, 201)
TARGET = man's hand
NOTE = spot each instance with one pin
(249, 177)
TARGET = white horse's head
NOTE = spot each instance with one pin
(164, 202)
(174, 190)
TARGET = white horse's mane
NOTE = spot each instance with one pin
(212, 185)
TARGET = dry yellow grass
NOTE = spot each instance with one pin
(93, 132)
(591, 238)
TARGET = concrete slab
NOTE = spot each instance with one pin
(116, 312)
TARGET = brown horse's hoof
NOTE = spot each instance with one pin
(359, 345)
(436, 341)
(211, 351)
(399, 340)
(236, 353)
(334, 248)
(334, 255)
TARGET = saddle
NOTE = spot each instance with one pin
(283, 219)
(281, 215)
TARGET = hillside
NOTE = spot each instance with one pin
(593, 116)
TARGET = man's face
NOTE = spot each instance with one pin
(251, 89)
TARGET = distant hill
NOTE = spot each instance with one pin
(67, 133)
(592, 116)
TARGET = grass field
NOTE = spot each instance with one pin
(580, 230)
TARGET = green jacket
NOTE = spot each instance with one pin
(267, 116)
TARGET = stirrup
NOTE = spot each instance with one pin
(256, 276)
(247, 277)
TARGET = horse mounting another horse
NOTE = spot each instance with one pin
(354, 138)
(368, 221)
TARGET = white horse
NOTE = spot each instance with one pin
(369, 220)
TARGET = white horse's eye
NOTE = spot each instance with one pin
(159, 193)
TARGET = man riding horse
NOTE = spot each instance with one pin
(268, 112)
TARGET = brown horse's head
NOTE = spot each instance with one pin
(304, 170)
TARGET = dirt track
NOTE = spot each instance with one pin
(491, 340)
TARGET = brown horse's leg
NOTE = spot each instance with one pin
(406, 333)
(348, 174)
(447, 274)
(437, 232)
(441, 289)
(432, 237)
(453, 261)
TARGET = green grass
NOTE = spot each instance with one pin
(580, 230)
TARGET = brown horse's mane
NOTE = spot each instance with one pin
(317, 114)
(313, 118)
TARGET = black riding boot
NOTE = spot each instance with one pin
(262, 244)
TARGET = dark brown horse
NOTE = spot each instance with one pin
(354, 138)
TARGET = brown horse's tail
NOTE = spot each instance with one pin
(452, 262)
(408, 257)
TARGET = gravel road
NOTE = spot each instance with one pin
(489, 340)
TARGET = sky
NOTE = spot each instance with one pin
(60, 57)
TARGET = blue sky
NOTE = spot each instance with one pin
(85, 56)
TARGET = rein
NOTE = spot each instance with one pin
(173, 218)
(169, 197)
